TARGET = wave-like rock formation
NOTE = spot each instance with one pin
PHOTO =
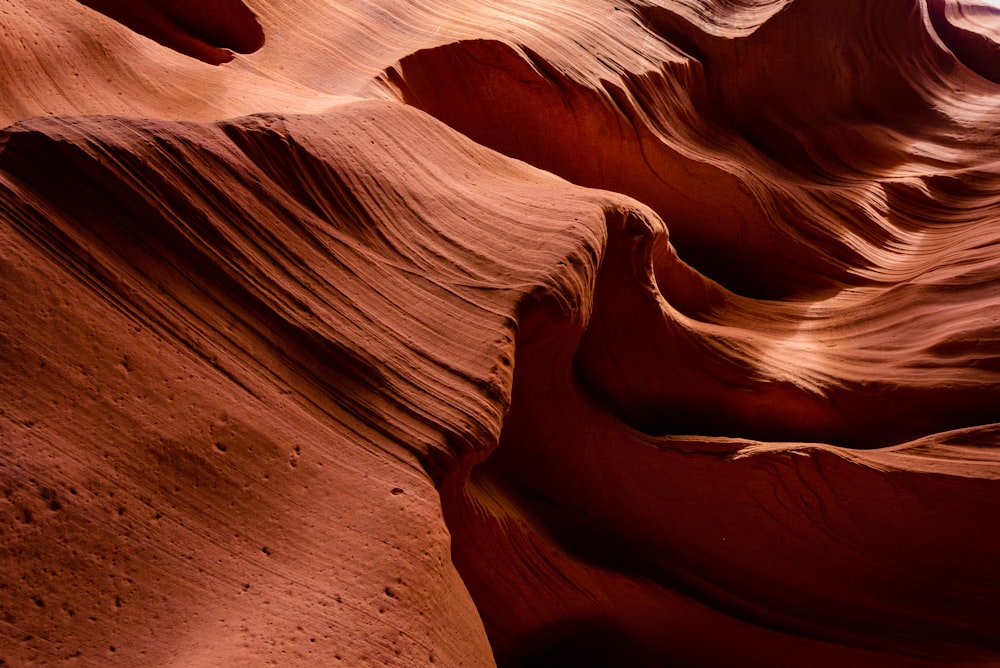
(597, 333)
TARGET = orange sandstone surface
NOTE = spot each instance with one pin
(516, 333)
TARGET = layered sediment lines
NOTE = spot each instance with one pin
(607, 333)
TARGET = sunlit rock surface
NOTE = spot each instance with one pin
(632, 333)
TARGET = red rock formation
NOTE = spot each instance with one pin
(205, 29)
(607, 333)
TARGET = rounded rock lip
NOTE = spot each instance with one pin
(209, 30)
(970, 29)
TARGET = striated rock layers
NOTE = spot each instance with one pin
(591, 333)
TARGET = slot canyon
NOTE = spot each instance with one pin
(621, 333)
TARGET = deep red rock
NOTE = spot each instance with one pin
(202, 29)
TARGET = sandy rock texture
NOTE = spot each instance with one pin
(451, 333)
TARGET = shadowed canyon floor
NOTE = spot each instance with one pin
(604, 333)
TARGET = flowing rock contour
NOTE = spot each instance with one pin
(609, 333)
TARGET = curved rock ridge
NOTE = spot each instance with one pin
(971, 30)
(618, 332)
(203, 30)
(717, 144)
(243, 358)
